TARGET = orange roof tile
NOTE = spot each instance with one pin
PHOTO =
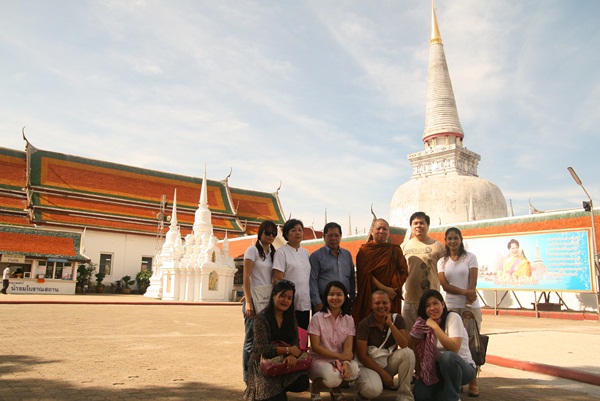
(107, 179)
(238, 246)
(256, 206)
(12, 168)
(12, 202)
(40, 243)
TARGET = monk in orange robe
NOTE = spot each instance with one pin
(379, 265)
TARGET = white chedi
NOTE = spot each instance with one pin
(194, 269)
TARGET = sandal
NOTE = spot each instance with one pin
(315, 397)
(337, 395)
(473, 390)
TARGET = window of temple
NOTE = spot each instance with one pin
(146, 263)
(105, 265)
(56, 270)
(213, 281)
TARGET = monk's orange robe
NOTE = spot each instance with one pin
(387, 264)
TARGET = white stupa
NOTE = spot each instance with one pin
(195, 269)
(444, 182)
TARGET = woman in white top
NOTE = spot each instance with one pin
(441, 345)
(292, 263)
(258, 282)
(458, 276)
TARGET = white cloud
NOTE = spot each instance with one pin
(327, 96)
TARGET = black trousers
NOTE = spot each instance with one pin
(303, 318)
(299, 385)
(4, 286)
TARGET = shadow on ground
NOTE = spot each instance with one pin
(45, 390)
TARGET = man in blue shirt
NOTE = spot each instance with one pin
(330, 263)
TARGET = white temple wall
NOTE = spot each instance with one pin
(127, 251)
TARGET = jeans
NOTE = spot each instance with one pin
(248, 340)
(453, 373)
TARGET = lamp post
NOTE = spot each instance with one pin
(597, 269)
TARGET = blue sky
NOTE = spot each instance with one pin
(326, 96)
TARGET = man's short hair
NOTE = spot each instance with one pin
(331, 225)
(379, 220)
(419, 215)
(379, 292)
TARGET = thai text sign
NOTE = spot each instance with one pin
(542, 261)
(17, 286)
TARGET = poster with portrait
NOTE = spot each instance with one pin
(540, 261)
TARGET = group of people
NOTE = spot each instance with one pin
(361, 331)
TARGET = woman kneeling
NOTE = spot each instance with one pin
(441, 344)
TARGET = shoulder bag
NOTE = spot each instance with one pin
(277, 367)
(478, 345)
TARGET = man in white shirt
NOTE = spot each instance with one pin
(5, 277)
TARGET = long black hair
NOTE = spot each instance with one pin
(345, 310)
(266, 225)
(421, 311)
(289, 317)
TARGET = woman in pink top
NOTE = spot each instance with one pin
(331, 338)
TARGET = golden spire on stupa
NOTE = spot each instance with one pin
(435, 32)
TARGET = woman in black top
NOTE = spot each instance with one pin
(276, 323)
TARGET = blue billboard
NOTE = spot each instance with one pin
(542, 261)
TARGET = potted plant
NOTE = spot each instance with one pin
(126, 283)
(99, 286)
(84, 274)
(142, 280)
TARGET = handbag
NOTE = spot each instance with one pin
(379, 354)
(478, 346)
(260, 296)
(302, 339)
(277, 367)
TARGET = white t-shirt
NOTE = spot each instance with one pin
(457, 274)
(6, 274)
(295, 265)
(262, 270)
(454, 328)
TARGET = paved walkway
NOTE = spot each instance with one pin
(127, 347)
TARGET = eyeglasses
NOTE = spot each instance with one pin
(270, 233)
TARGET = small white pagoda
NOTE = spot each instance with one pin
(194, 269)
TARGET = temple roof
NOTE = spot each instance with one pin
(255, 207)
(67, 190)
(40, 243)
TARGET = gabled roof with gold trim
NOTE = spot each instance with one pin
(66, 190)
(13, 199)
(255, 207)
(40, 243)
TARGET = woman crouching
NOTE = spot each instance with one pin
(441, 344)
(331, 338)
(276, 323)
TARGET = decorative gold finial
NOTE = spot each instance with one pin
(436, 38)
